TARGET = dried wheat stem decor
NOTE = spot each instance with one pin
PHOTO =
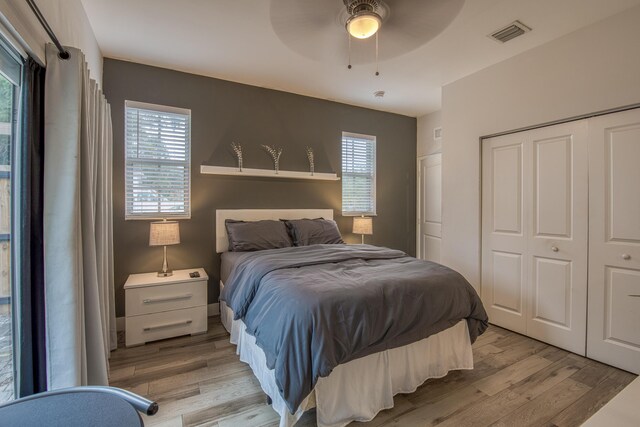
(310, 157)
(237, 149)
(275, 154)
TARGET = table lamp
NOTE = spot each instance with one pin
(163, 233)
(362, 225)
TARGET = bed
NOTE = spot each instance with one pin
(356, 379)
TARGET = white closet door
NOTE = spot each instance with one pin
(614, 241)
(504, 238)
(430, 206)
(534, 233)
(557, 235)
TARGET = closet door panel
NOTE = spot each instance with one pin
(622, 172)
(508, 282)
(504, 268)
(557, 245)
(621, 309)
(614, 240)
(552, 291)
(507, 189)
(553, 186)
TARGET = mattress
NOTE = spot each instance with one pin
(359, 389)
(227, 263)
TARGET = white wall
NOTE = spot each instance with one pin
(69, 22)
(593, 69)
(426, 125)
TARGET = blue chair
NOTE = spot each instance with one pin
(78, 406)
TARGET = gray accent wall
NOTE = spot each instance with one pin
(222, 112)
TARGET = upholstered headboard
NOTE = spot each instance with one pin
(222, 240)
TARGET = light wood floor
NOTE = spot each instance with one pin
(517, 381)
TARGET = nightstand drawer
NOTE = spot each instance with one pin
(154, 299)
(157, 326)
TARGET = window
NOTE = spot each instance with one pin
(157, 161)
(10, 79)
(358, 174)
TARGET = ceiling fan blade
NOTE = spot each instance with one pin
(315, 28)
(301, 15)
(413, 23)
(310, 27)
(422, 18)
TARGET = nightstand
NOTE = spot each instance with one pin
(165, 307)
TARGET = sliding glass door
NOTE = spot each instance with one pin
(10, 74)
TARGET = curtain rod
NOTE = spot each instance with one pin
(62, 52)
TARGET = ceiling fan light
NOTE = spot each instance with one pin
(364, 25)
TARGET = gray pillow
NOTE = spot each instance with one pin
(318, 231)
(256, 235)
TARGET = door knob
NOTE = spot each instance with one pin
(554, 248)
(626, 257)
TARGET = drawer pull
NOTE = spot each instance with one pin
(634, 295)
(166, 299)
(168, 325)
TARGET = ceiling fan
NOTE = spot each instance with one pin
(364, 17)
(323, 30)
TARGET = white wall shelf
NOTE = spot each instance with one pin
(267, 173)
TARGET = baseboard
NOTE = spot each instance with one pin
(120, 322)
(212, 310)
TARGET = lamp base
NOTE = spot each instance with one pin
(165, 272)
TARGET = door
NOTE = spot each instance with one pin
(614, 240)
(430, 207)
(557, 251)
(504, 238)
(534, 233)
(10, 191)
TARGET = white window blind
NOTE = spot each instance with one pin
(157, 161)
(358, 174)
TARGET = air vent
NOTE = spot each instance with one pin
(510, 32)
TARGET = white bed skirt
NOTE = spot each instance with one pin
(358, 390)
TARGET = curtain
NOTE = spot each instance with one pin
(80, 314)
(31, 362)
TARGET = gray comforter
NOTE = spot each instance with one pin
(312, 308)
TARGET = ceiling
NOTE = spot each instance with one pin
(235, 40)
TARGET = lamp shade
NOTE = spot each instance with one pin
(164, 233)
(362, 225)
(364, 25)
